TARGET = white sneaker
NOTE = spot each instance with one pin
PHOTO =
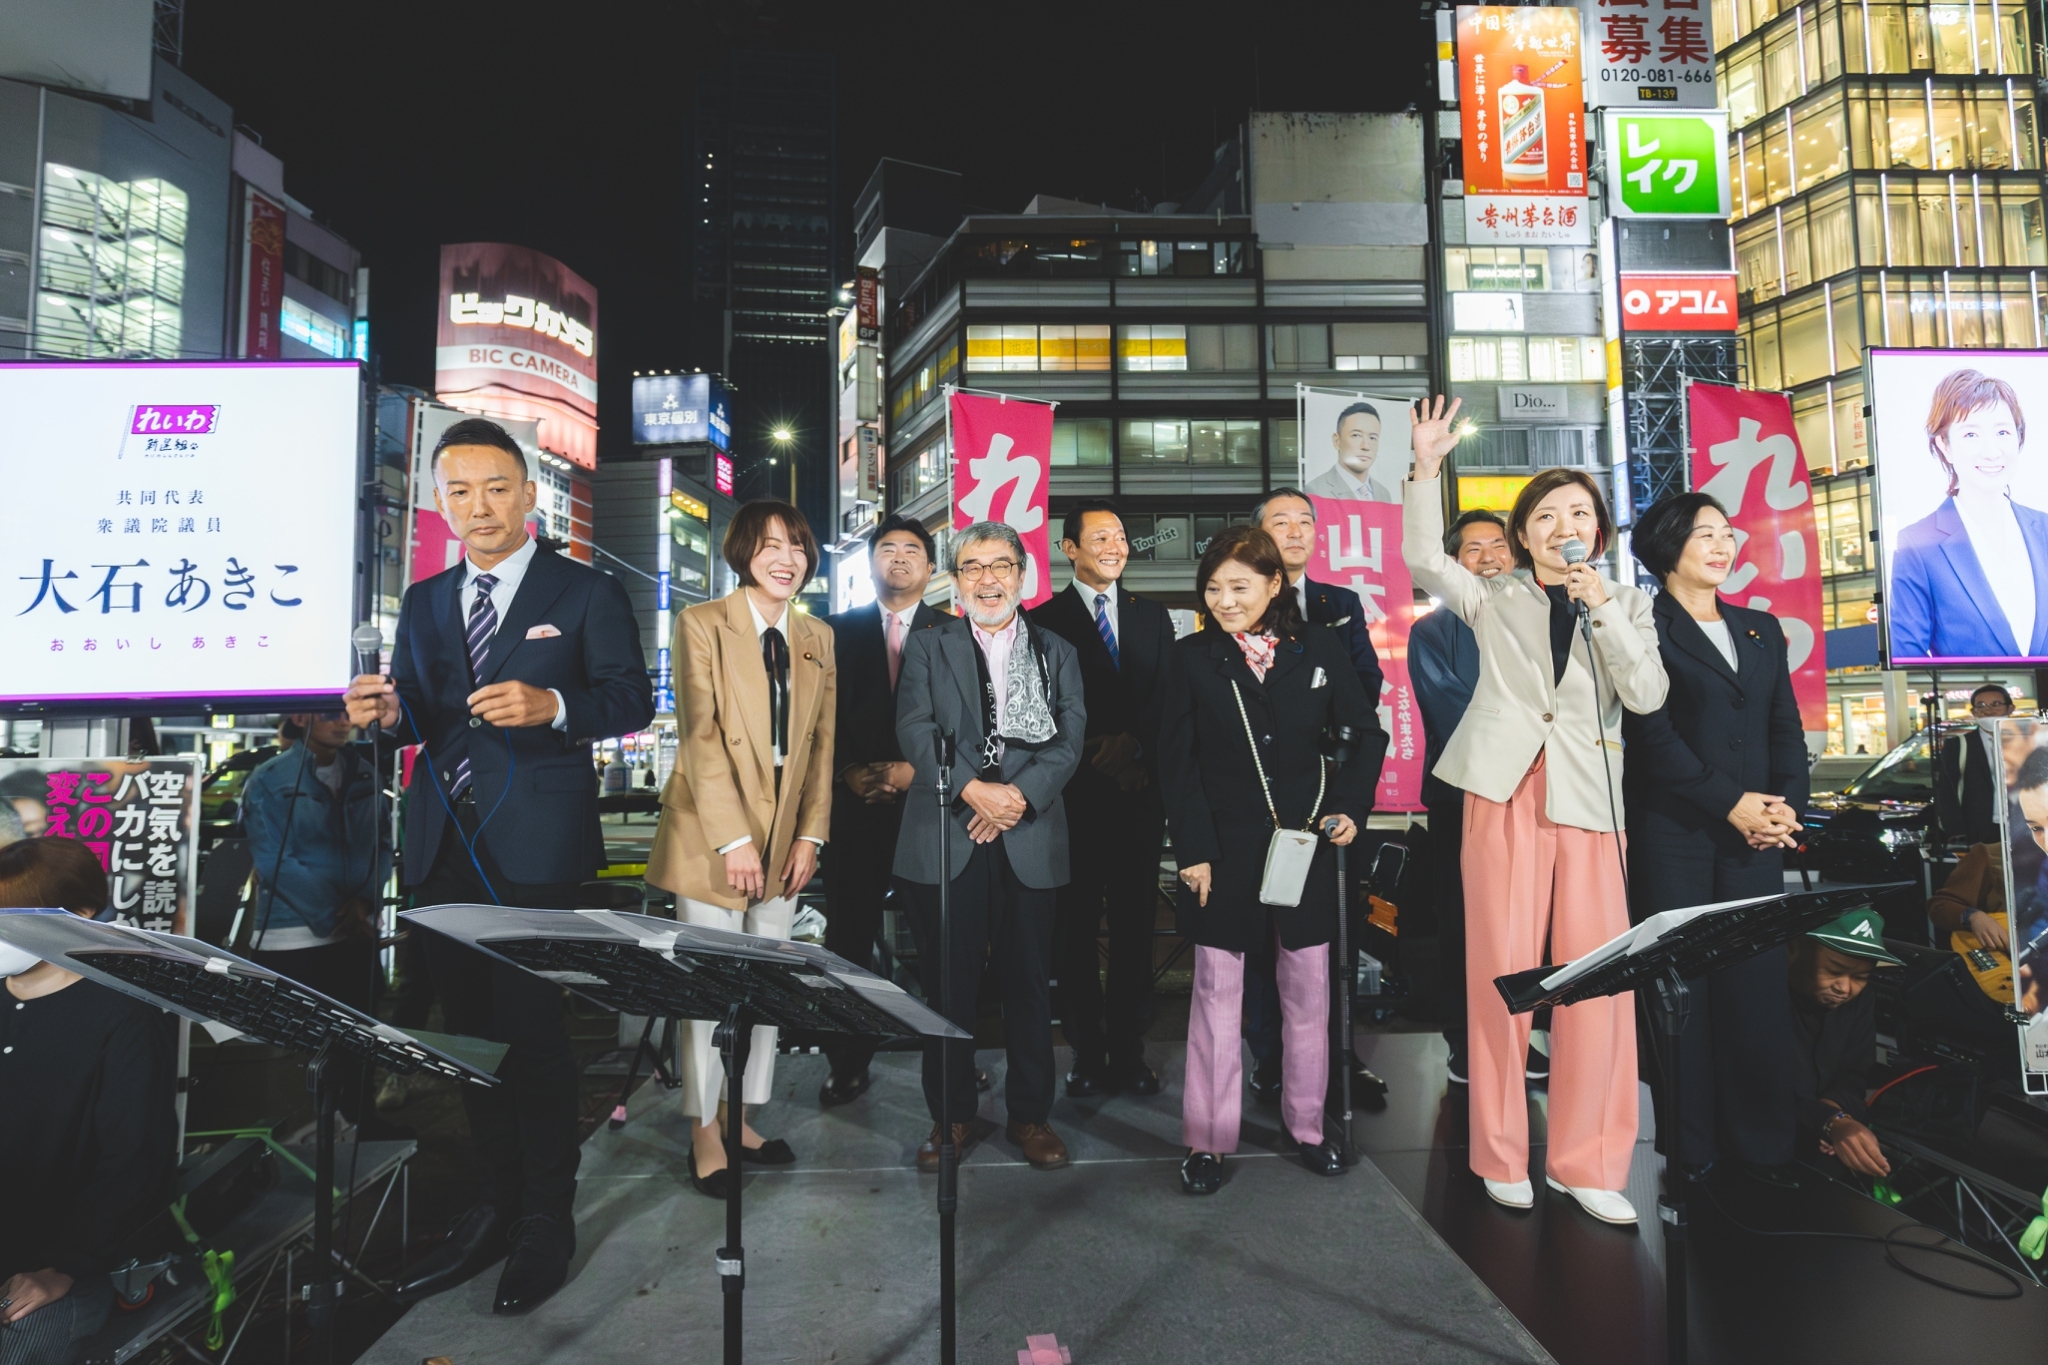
(1606, 1205)
(1514, 1194)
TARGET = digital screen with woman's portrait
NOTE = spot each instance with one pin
(1962, 502)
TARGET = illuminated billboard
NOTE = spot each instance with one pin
(146, 563)
(1523, 112)
(518, 338)
(669, 409)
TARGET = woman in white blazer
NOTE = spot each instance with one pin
(1538, 755)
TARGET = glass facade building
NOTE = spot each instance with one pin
(1885, 169)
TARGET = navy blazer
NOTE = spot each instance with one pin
(536, 790)
(1942, 606)
(1720, 732)
(1340, 610)
(1122, 696)
(1443, 668)
(865, 704)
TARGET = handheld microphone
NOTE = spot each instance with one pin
(368, 642)
(1574, 551)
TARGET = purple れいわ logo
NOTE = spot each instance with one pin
(173, 419)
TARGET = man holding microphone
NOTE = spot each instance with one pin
(504, 669)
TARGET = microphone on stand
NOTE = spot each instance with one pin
(1574, 551)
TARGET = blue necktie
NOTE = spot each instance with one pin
(483, 624)
(1105, 630)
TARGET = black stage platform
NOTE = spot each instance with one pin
(1593, 1294)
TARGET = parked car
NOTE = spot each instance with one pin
(1876, 828)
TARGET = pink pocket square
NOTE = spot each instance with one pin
(542, 633)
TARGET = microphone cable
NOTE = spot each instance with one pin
(468, 841)
(1600, 721)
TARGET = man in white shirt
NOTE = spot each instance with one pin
(871, 775)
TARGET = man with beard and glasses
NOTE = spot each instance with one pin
(1010, 693)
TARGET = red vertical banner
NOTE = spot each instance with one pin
(1002, 471)
(263, 280)
(1745, 452)
(1354, 456)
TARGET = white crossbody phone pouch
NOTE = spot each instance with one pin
(1292, 851)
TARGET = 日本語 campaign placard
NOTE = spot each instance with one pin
(139, 816)
(1002, 471)
(177, 533)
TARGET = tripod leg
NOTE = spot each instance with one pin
(732, 1038)
(618, 1118)
(1671, 1009)
(323, 1293)
(1342, 973)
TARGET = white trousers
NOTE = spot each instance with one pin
(703, 1070)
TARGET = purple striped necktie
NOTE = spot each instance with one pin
(483, 624)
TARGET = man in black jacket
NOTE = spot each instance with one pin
(1834, 1038)
(505, 668)
(1965, 783)
(1115, 820)
(870, 773)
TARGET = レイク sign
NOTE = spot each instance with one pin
(1745, 452)
(1668, 165)
(1678, 303)
(1650, 52)
(1002, 471)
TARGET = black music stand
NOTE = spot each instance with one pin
(232, 997)
(637, 964)
(1656, 958)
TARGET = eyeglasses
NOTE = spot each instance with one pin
(974, 570)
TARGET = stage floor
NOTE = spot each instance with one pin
(1107, 1255)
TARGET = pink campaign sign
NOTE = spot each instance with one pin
(1002, 469)
(1358, 546)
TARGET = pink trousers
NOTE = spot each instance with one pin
(1526, 879)
(1214, 1090)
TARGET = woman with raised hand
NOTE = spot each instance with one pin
(1562, 652)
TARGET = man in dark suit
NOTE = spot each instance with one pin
(1289, 517)
(1010, 694)
(1114, 814)
(505, 668)
(871, 775)
(1965, 783)
(1443, 667)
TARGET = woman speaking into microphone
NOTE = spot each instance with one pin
(1254, 810)
(1562, 652)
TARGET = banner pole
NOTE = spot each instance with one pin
(952, 497)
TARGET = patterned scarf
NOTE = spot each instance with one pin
(1258, 651)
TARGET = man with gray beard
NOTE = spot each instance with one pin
(1010, 695)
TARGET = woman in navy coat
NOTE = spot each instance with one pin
(1715, 781)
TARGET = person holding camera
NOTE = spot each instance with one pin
(1244, 721)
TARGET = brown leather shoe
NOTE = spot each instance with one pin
(1042, 1146)
(928, 1150)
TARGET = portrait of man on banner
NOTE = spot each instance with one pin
(1351, 467)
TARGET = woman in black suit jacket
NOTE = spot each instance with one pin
(1293, 683)
(1714, 784)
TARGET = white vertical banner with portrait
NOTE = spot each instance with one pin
(1355, 453)
(1962, 505)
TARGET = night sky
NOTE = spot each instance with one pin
(565, 127)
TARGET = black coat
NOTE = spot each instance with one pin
(534, 783)
(865, 728)
(1720, 733)
(1122, 696)
(1967, 801)
(1339, 609)
(1213, 799)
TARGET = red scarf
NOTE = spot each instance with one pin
(1258, 651)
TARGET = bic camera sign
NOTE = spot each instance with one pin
(1671, 165)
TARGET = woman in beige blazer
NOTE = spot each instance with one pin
(1562, 651)
(750, 801)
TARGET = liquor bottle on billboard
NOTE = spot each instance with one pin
(1524, 156)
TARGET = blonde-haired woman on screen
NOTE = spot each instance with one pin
(1537, 754)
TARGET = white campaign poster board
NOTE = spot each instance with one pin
(177, 532)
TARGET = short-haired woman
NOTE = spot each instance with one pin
(1243, 723)
(89, 1130)
(1715, 781)
(1970, 579)
(1562, 652)
(750, 801)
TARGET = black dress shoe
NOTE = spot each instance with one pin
(1136, 1078)
(1082, 1084)
(982, 1082)
(476, 1240)
(1201, 1173)
(1365, 1085)
(844, 1089)
(1265, 1084)
(1321, 1158)
(771, 1152)
(538, 1263)
(713, 1185)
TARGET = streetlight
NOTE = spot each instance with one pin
(782, 436)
